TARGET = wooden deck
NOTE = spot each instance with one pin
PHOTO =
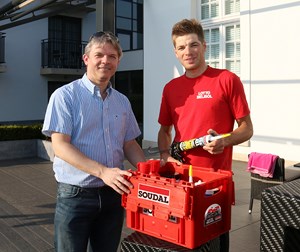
(27, 202)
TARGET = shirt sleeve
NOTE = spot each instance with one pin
(239, 104)
(58, 116)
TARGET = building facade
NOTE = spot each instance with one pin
(38, 56)
(255, 39)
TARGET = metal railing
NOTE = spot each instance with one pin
(2, 47)
(62, 54)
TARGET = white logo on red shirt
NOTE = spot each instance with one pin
(204, 95)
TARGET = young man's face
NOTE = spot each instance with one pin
(190, 51)
(101, 62)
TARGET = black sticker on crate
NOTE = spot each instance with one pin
(155, 194)
(147, 211)
(213, 214)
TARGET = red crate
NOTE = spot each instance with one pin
(165, 205)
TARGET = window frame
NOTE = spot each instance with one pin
(221, 22)
(134, 43)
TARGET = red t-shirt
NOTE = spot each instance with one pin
(193, 105)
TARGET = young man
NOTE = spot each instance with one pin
(92, 128)
(203, 101)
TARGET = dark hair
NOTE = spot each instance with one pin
(102, 38)
(187, 26)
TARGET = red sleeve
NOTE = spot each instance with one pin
(239, 104)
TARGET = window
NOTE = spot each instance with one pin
(223, 47)
(64, 43)
(218, 8)
(232, 48)
(212, 56)
(232, 6)
(64, 28)
(209, 9)
(130, 83)
(129, 24)
(2, 47)
(220, 20)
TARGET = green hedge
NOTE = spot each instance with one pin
(21, 132)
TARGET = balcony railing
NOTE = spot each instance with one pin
(62, 54)
(2, 47)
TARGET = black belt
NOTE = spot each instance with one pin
(78, 189)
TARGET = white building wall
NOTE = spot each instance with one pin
(270, 70)
(88, 25)
(133, 60)
(160, 64)
(270, 64)
(23, 90)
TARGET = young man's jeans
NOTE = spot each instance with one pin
(87, 216)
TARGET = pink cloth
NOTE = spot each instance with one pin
(262, 164)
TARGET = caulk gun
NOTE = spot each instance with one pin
(178, 147)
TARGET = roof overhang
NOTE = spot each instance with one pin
(18, 12)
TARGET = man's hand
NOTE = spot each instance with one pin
(166, 157)
(116, 179)
(216, 146)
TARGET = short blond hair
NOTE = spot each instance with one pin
(99, 38)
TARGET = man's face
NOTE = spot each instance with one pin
(190, 51)
(101, 63)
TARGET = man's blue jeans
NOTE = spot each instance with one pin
(85, 216)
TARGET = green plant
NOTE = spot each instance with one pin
(21, 132)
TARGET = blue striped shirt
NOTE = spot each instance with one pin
(98, 128)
